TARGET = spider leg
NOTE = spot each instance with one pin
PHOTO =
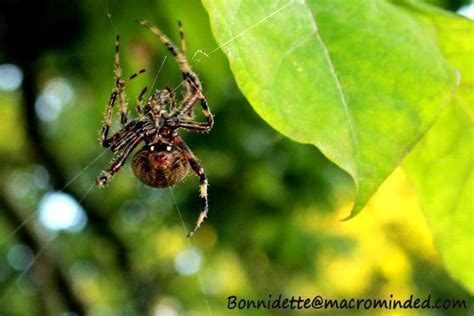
(122, 138)
(187, 85)
(104, 132)
(119, 86)
(120, 83)
(203, 183)
(121, 94)
(117, 141)
(139, 107)
(179, 56)
(181, 36)
(117, 92)
(194, 126)
(133, 76)
(118, 163)
(188, 107)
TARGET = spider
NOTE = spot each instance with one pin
(165, 159)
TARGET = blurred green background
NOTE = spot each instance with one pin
(275, 206)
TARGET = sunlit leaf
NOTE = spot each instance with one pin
(361, 80)
(441, 166)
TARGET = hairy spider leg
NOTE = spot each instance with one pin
(105, 140)
(179, 56)
(181, 36)
(123, 137)
(104, 132)
(132, 76)
(203, 183)
(120, 84)
(139, 106)
(119, 92)
(190, 79)
(116, 141)
(187, 86)
(120, 139)
(188, 106)
(106, 175)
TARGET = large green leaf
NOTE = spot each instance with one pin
(441, 166)
(361, 80)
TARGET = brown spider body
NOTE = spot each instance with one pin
(160, 167)
(165, 160)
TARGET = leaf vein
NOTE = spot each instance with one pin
(234, 19)
(291, 49)
(339, 88)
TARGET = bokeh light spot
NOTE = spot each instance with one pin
(10, 77)
(167, 306)
(188, 262)
(57, 94)
(164, 310)
(59, 211)
(41, 177)
(20, 257)
(133, 213)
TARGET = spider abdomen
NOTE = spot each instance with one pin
(160, 167)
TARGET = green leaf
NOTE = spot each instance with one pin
(441, 166)
(361, 80)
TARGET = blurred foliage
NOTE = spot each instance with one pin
(275, 205)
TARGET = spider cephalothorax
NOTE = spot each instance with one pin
(165, 159)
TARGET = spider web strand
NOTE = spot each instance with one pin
(156, 77)
(38, 254)
(30, 265)
(30, 217)
(244, 31)
(191, 246)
